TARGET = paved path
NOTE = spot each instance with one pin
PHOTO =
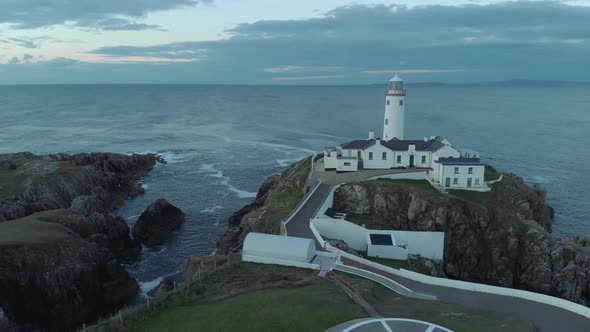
(299, 224)
(543, 316)
(546, 317)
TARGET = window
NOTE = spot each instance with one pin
(370, 155)
(347, 164)
(399, 159)
(388, 103)
(424, 159)
(384, 156)
(401, 102)
(456, 170)
(455, 180)
(476, 181)
(386, 121)
(470, 170)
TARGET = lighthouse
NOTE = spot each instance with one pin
(393, 125)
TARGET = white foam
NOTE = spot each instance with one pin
(146, 286)
(225, 181)
(286, 162)
(212, 209)
(145, 186)
(172, 157)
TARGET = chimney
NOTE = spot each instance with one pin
(425, 139)
(371, 134)
(378, 141)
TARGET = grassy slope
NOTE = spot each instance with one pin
(248, 297)
(455, 317)
(14, 181)
(422, 185)
(473, 196)
(284, 200)
(491, 174)
(30, 231)
(308, 308)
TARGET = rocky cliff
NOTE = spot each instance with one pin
(501, 238)
(59, 243)
(276, 198)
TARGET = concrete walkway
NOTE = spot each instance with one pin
(543, 316)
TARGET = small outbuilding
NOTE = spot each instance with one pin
(270, 248)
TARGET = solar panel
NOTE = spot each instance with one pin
(381, 239)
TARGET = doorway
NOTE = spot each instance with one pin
(447, 182)
(412, 161)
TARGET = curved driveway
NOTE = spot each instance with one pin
(545, 317)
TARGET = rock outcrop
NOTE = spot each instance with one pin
(59, 283)
(502, 240)
(157, 222)
(276, 198)
(94, 182)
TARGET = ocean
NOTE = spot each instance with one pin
(221, 142)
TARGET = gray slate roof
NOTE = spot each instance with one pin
(396, 144)
(459, 161)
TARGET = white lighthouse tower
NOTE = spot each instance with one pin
(393, 125)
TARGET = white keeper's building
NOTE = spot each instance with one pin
(445, 165)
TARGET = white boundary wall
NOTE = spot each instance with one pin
(355, 236)
(474, 287)
(426, 244)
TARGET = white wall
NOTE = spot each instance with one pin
(267, 260)
(377, 162)
(477, 178)
(355, 236)
(330, 159)
(426, 244)
(393, 122)
(347, 165)
(279, 247)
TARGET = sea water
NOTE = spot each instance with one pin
(221, 142)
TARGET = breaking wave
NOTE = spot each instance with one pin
(225, 181)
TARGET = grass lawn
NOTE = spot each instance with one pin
(309, 308)
(490, 174)
(474, 196)
(27, 231)
(247, 297)
(418, 184)
(455, 317)
(360, 219)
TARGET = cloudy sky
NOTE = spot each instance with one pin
(291, 42)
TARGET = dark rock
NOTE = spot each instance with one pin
(60, 285)
(264, 214)
(157, 222)
(53, 182)
(504, 241)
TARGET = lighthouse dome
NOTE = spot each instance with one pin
(396, 79)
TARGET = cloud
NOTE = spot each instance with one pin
(366, 44)
(28, 14)
(286, 69)
(21, 42)
(305, 78)
(409, 71)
